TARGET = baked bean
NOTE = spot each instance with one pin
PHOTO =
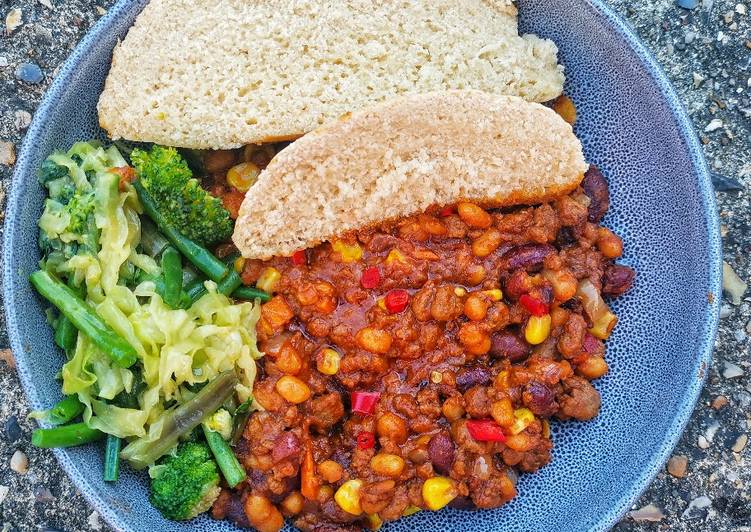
(453, 408)
(563, 282)
(292, 389)
(331, 471)
(475, 275)
(292, 503)
(387, 465)
(476, 307)
(391, 426)
(503, 412)
(432, 225)
(521, 442)
(446, 305)
(609, 244)
(486, 243)
(474, 216)
(374, 340)
(263, 515)
(592, 368)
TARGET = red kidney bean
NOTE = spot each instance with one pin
(472, 377)
(539, 399)
(441, 452)
(617, 280)
(506, 344)
(462, 503)
(236, 512)
(596, 188)
(286, 445)
(527, 256)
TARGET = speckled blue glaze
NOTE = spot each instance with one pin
(632, 126)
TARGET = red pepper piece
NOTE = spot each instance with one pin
(364, 402)
(485, 430)
(365, 440)
(299, 258)
(446, 211)
(396, 301)
(533, 305)
(371, 277)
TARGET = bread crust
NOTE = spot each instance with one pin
(398, 158)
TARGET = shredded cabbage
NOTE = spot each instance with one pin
(176, 348)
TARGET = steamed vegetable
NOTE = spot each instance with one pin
(201, 258)
(230, 467)
(65, 436)
(66, 409)
(179, 198)
(84, 318)
(165, 432)
(185, 484)
(112, 459)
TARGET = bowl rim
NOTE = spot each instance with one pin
(705, 189)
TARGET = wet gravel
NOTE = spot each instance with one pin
(705, 48)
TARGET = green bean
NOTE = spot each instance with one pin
(250, 293)
(172, 271)
(65, 436)
(66, 409)
(112, 459)
(66, 335)
(84, 318)
(180, 421)
(226, 460)
(152, 241)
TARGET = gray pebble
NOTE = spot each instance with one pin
(688, 4)
(695, 507)
(29, 73)
(740, 336)
(43, 495)
(731, 371)
(13, 431)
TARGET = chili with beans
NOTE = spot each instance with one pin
(417, 364)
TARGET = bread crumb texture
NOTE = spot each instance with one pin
(224, 73)
(398, 158)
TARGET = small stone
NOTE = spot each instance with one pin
(29, 73)
(6, 354)
(94, 522)
(719, 402)
(711, 431)
(649, 512)
(7, 153)
(688, 4)
(43, 495)
(739, 336)
(714, 125)
(23, 119)
(693, 511)
(698, 79)
(680, 46)
(732, 284)
(725, 311)
(740, 443)
(3, 61)
(728, 17)
(689, 37)
(19, 462)
(3, 493)
(46, 3)
(702, 442)
(101, 11)
(13, 431)
(740, 9)
(731, 371)
(677, 465)
(13, 20)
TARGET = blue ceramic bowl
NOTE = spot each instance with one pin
(632, 126)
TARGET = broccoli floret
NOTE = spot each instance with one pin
(179, 197)
(185, 484)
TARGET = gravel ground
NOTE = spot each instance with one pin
(705, 48)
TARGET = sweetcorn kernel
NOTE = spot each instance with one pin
(328, 361)
(523, 419)
(348, 252)
(537, 329)
(395, 256)
(348, 496)
(269, 280)
(437, 492)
